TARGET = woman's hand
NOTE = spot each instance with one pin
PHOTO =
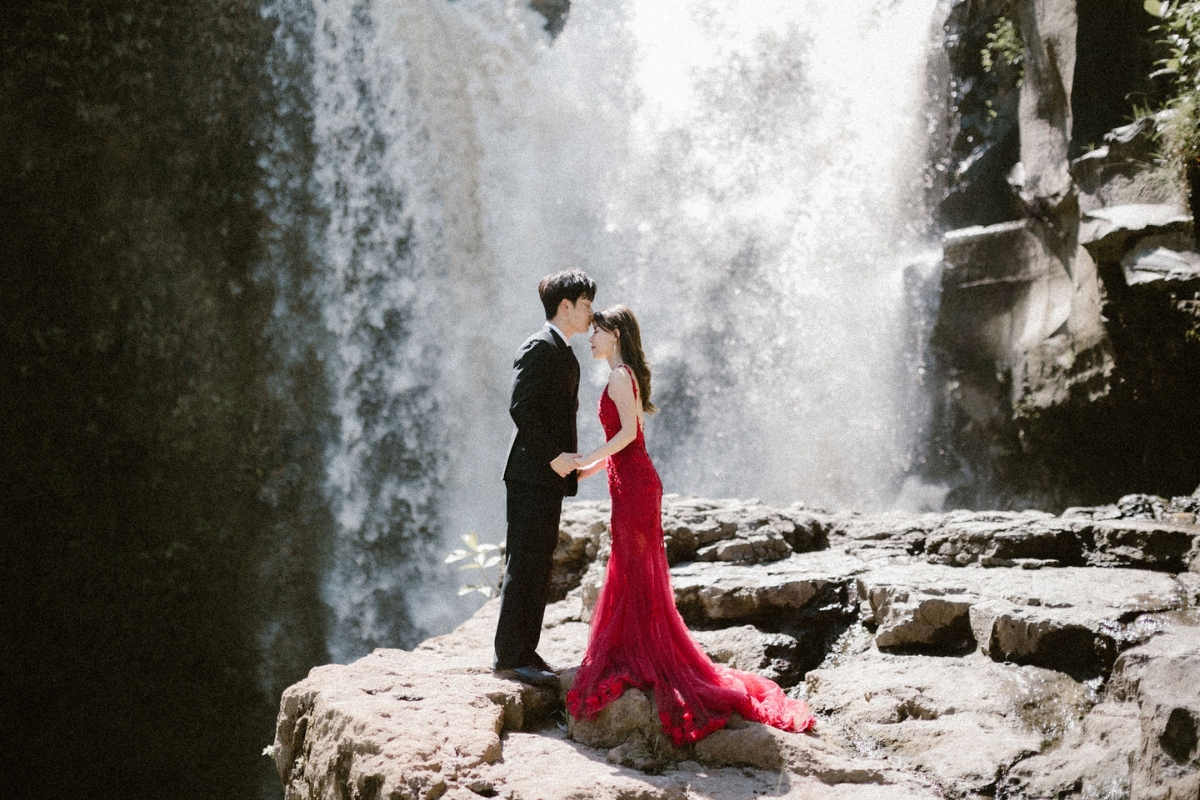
(588, 470)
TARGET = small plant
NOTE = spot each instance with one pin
(1004, 47)
(483, 557)
(1179, 126)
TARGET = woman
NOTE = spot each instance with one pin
(638, 638)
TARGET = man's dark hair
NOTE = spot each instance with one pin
(570, 284)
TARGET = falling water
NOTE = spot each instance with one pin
(745, 175)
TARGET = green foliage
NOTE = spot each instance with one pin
(483, 557)
(1005, 48)
(1180, 35)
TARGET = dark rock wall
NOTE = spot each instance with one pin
(1114, 58)
(1061, 383)
(976, 139)
(138, 432)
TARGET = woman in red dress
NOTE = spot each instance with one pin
(637, 636)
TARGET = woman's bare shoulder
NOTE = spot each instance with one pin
(621, 378)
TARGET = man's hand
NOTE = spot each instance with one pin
(564, 465)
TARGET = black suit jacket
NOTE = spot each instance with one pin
(545, 400)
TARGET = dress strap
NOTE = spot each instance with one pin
(633, 378)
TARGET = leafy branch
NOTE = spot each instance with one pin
(483, 557)
(1179, 30)
(1004, 47)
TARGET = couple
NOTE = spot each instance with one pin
(637, 637)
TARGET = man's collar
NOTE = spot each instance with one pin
(566, 340)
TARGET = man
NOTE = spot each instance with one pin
(540, 469)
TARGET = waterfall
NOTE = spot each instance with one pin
(747, 177)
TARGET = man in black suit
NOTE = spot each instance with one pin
(540, 469)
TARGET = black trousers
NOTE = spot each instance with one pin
(533, 516)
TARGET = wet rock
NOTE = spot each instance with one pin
(1162, 677)
(764, 747)
(630, 731)
(1093, 758)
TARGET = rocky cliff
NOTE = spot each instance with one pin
(1016, 655)
(1066, 336)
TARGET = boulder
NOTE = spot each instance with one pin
(1004, 290)
(580, 531)
(344, 730)
(881, 537)
(1161, 259)
(1144, 544)
(743, 532)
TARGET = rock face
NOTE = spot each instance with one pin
(959, 655)
(1066, 342)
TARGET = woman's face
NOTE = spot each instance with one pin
(603, 342)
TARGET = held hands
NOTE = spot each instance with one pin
(564, 464)
(586, 469)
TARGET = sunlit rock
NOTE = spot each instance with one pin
(1109, 232)
(1161, 677)
(775, 591)
(955, 720)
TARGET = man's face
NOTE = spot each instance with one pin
(579, 316)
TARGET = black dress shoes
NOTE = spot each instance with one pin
(533, 675)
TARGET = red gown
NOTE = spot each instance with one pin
(637, 636)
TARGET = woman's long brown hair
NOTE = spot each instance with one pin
(621, 321)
